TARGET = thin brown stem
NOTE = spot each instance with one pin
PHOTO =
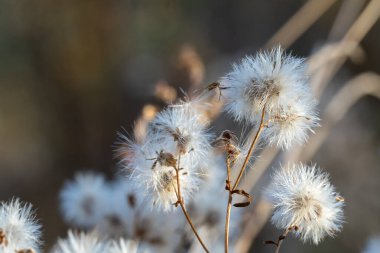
(229, 205)
(254, 142)
(181, 203)
(282, 238)
(227, 227)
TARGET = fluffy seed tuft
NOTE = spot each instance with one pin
(303, 196)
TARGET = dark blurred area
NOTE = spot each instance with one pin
(73, 73)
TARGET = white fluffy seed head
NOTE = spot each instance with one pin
(181, 130)
(293, 125)
(122, 203)
(277, 84)
(176, 136)
(19, 229)
(80, 243)
(156, 180)
(149, 226)
(124, 246)
(83, 200)
(303, 196)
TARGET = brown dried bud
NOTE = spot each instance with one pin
(3, 238)
(167, 159)
(25, 251)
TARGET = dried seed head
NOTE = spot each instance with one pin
(18, 227)
(277, 84)
(81, 242)
(3, 238)
(177, 134)
(228, 142)
(82, 199)
(166, 159)
(181, 139)
(303, 196)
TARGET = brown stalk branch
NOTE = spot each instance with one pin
(183, 208)
(231, 190)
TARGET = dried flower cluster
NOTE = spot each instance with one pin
(177, 139)
(176, 163)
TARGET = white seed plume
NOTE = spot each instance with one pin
(124, 246)
(176, 137)
(148, 230)
(81, 243)
(277, 84)
(83, 200)
(19, 229)
(123, 201)
(303, 197)
(292, 125)
(182, 131)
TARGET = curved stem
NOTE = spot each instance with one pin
(192, 227)
(181, 203)
(229, 204)
(282, 238)
(254, 142)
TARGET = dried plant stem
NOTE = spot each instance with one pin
(227, 227)
(254, 142)
(282, 238)
(181, 203)
(229, 204)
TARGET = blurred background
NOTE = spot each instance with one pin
(73, 73)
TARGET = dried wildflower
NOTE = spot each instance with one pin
(124, 246)
(176, 140)
(181, 131)
(157, 180)
(303, 197)
(19, 230)
(81, 243)
(83, 200)
(229, 143)
(123, 203)
(292, 125)
(148, 231)
(275, 84)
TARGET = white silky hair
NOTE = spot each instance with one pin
(81, 242)
(179, 132)
(83, 199)
(302, 196)
(276, 84)
(19, 225)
